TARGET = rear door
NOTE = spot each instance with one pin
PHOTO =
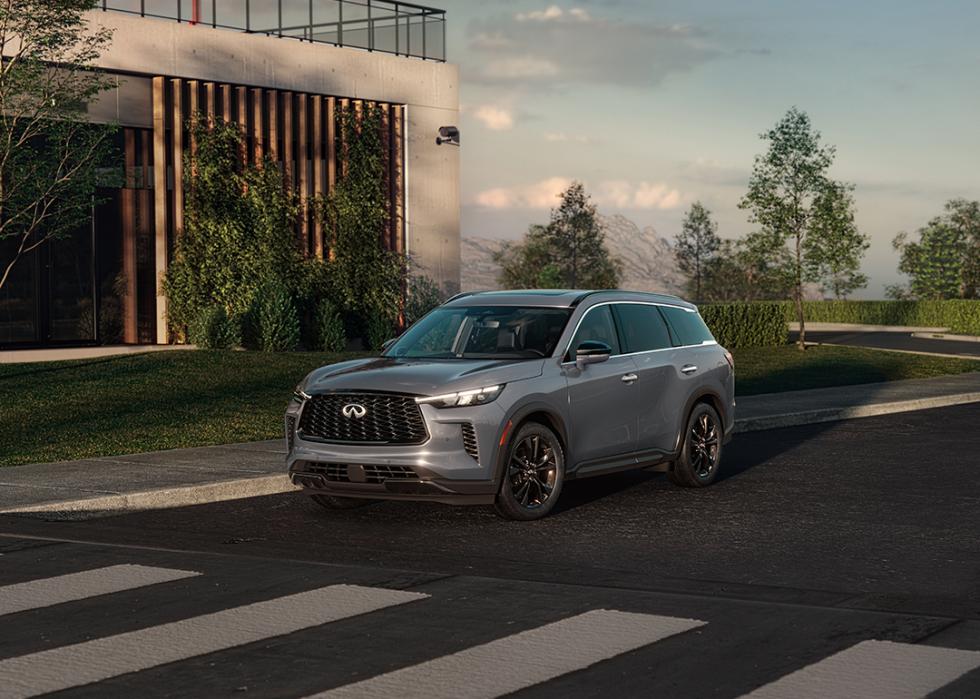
(603, 399)
(646, 337)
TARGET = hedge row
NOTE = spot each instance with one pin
(959, 315)
(746, 324)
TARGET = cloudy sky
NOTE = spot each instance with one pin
(657, 103)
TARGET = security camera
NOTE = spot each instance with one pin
(448, 135)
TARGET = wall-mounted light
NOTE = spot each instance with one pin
(448, 135)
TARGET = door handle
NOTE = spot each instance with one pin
(688, 369)
(629, 378)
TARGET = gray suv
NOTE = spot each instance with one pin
(499, 397)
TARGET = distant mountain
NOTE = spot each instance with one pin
(648, 260)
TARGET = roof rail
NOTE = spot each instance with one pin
(460, 295)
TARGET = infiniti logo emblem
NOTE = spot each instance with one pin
(354, 410)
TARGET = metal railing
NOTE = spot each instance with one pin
(389, 26)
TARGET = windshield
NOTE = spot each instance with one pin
(483, 332)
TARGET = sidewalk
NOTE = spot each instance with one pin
(180, 477)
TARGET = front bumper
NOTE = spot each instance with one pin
(440, 470)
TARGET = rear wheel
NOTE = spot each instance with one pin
(533, 475)
(697, 465)
(332, 502)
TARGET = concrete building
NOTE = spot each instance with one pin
(282, 70)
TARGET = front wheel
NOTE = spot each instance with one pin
(533, 475)
(700, 454)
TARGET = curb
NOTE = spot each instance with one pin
(862, 327)
(946, 336)
(158, 499)
(921, 353)
(809, 417)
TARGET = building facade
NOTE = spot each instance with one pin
(282, 71)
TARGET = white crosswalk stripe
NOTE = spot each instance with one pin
(521, 660)
(77, 586)
(91, 661)
(874, 670)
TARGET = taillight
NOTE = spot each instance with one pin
(730, 359)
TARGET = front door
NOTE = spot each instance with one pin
(602, 399)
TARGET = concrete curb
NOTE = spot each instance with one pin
(946, 336)
(921, 353)
(158, 499)
(809, 417)
(859, 327)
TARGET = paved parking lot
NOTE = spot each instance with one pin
(841, 556)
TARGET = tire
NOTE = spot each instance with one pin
(332, 502)
(529, 492)
(697, 464)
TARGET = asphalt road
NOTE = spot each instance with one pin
(846, 553)
(894, 341)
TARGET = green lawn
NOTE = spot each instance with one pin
(69, 410)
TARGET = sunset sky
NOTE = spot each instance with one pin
(657, 104)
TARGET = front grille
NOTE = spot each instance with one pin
(469, 440)
(387, 419)
(373, 473)
(290, 431)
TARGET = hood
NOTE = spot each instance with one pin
(424, 377)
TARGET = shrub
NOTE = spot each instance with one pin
(378, 327)
(328, 328)
(759, 324)
(277, 321)
(959, 315)
(423, 295)
(212, 328)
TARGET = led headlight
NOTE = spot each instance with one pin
(476, 396)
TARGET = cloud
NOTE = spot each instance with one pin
(493, 117)
(561, 137)
(562, 45)
(615, 194)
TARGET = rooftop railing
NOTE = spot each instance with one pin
(400, 28)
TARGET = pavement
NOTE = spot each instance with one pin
(904, 340)
(103, 486)
(829, 560)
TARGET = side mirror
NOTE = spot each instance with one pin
(387, 343)
(592, 352)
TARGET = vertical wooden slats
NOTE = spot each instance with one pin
(161, 248)
(273, 98)
(344, 105)
(177, 141)
(302, 165)
(241, 118)
(193, 110)
(209, 100)
(128, 213)
(318, 173)
(288, 137)
(258, 126)
(226, 103)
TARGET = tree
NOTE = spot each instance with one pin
(747, 270)
(945, 261)
(50, 154)
(569, 252)
(696, 244)
(833, 250)
(791, 197)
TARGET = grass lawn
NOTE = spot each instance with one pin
(54, 411)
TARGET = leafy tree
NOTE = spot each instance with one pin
(277, 319)
(793, 201)
(938, 263)
(833, 250)
(696, 244)
(964, 216)
(50, 154)
(238, 229)
(423, 295)
(569, 252)
(748, 270)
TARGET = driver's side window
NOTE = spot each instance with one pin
(597, 325)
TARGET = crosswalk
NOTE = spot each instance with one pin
(506, 664)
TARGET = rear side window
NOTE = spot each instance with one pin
(596, 325)
(687, 326)
(641, 327)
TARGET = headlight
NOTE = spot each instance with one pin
(476, 396)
